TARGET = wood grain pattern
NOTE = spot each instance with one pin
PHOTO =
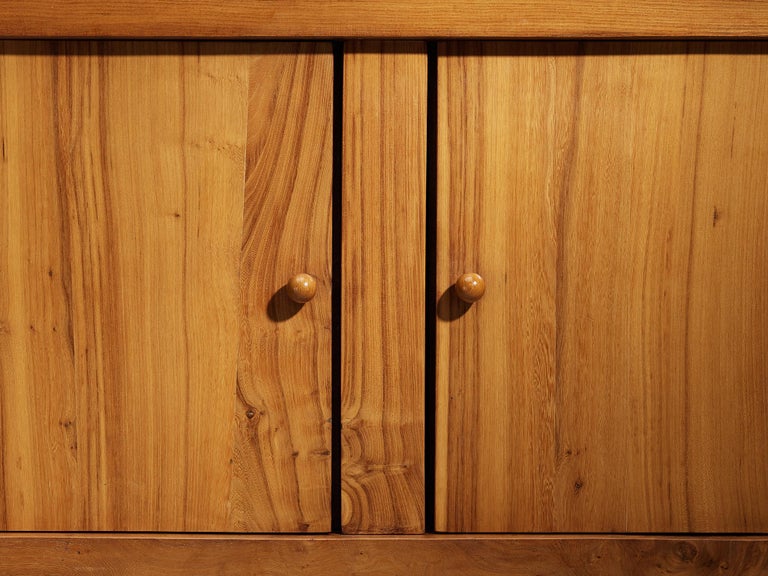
(613, 376)
(282, 445)
(383, 273)
(377, 18)
(122, 186)
(120, 311)
(54, 555)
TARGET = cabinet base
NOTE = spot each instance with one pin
(443, 555)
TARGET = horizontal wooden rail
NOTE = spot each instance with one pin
(383, 18)
(171, 555)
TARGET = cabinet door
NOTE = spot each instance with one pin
(614, 197)
(383, 270)
(154, 198)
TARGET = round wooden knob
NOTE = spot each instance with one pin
(470, 287)
(301, 288)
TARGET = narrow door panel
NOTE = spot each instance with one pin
(383, 263)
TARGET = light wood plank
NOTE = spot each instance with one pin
(54, 555)
(383, 275)
(123, 192)
(383, 18)
(282, 441)
(612, 378)
(727, 306)
(495, 358)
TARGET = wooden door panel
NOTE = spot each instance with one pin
(120, 244)
(613, 376)
(383, 269)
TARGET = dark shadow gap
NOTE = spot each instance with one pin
(164, 46)
(431, 291)
(338, 101)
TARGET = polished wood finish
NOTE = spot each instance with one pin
(282, 459)
(109, 555)
(121, 213)
(613, 196)
(470, 287)
(383, 272)
(124, 261)
(301, 288)
(382, 18)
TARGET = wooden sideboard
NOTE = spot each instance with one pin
(230, 336)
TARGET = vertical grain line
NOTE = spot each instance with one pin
(102, 351)
(688, 369)
(185, 272)
(563, 224)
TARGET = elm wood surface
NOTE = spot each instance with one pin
(383, 18)
(613, 196)
(282, 461)
(65, 555)
(121, 240)
(383, 275)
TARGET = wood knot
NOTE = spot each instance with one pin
(686, 551)
(578, 485)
